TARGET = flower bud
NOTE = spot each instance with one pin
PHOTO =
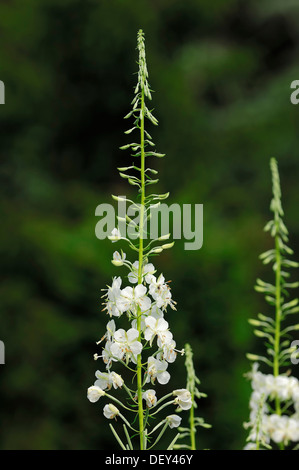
(110, 411)
(173, 421)
(167, 246)
(94, 393)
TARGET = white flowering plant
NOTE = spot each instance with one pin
(274, 402)
(189, 433)
(145, 346)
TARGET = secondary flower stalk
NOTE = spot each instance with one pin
(274, 403)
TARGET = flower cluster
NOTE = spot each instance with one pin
(148, 300)
(194, 421)
(265, 425)
(130, 298)
(274, 403)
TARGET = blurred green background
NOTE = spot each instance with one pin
(221, 72)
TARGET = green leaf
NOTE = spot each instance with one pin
(291, 304)
(124, 147)
(130, 130)
(154, 154)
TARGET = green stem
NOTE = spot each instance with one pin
(117, 437)
(162, 399)
(139, 362)
(119, 402)
(277, 317)
(161, 407)
(128, 437)
(160, 435)
(192, 427)
(277, 309)
(170, 447)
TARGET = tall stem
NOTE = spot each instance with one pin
(141, 227)
(277, 316)
(277, 309)
(192, 427)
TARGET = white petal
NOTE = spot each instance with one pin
(117, 351)
(133, 277)
(148, 334)
(162, 324)
(149, 278)
(163, 378)
(144, 303)
(127, 292)
(174, 421)
(101, 383)
(149, 268)
(150, 322)
(140, 291)
(111, 327)
(120, 336)
(132, 334)
(94, 393)
(136, 348)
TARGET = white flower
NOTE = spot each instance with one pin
(160, 292)
(108, 379)
(147, 271)
(169, 352)
(250, 446)
(113, 294)
(296, 406)
(278, 386)
(154, 312)
(256, 401)
(174, 421)
(164, 338)
(107, 354)
(261, 383)
(118, 259)
(183, 398)
(103, 380)
(110, 331)
(132, 298)
(116, 380)
(157, 285)
(110, 411)
(292, 388)
(126, 344)
(115, 235)
(157, 370)
(283, 428)
(155, 327)
(150, 397)
(258, 424)
(295, 394)
(281, 386)
(94, 393)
